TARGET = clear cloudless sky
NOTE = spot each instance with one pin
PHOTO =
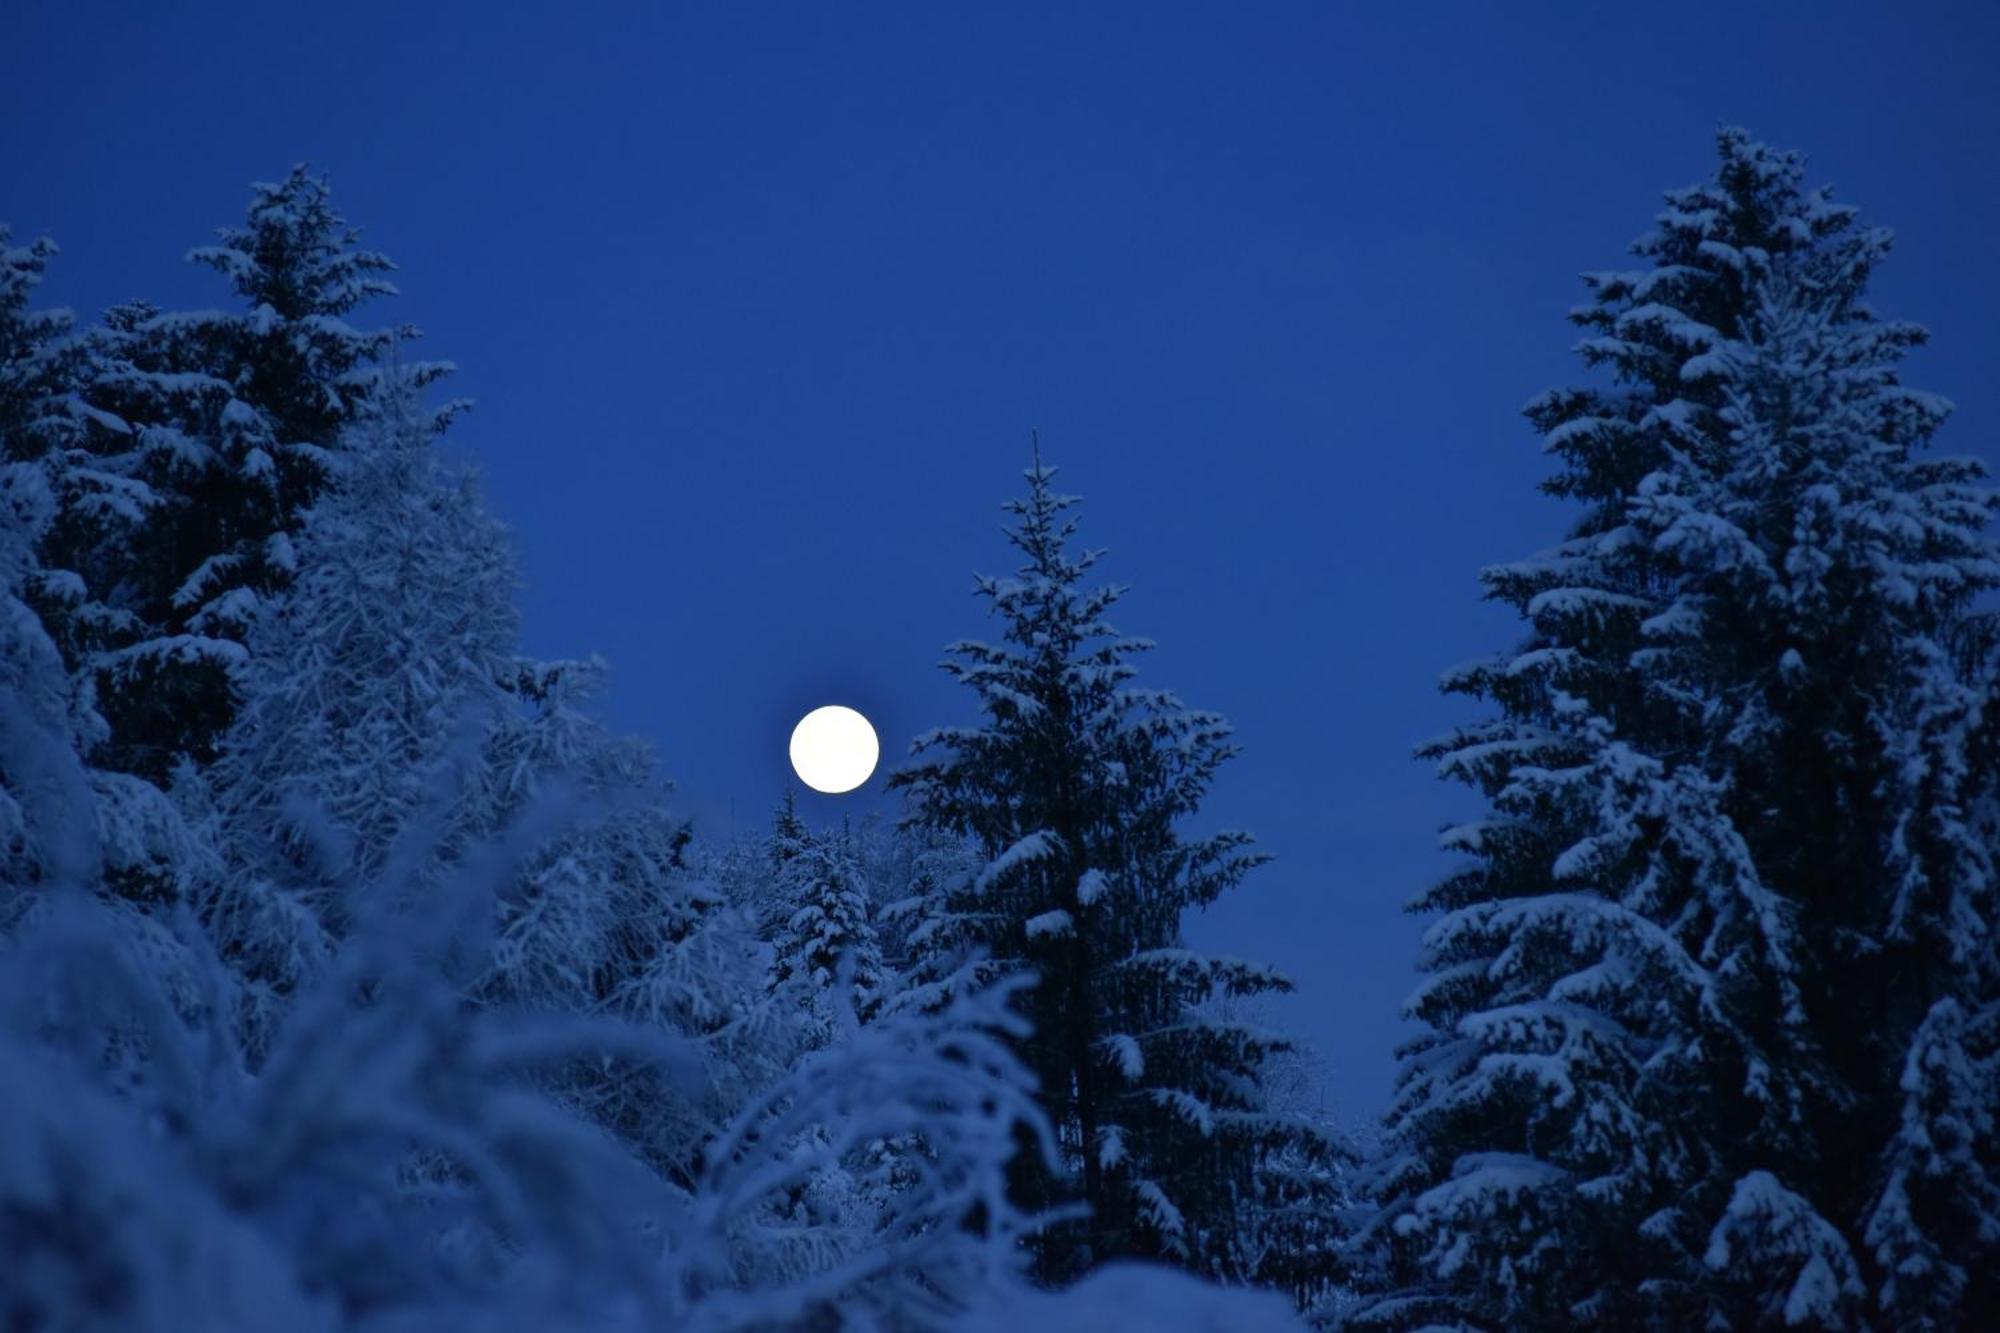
(760, 302)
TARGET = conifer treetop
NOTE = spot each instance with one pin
(295, 253)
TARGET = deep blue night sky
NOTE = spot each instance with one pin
(760, 303)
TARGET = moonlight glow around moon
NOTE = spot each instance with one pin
(834, 749)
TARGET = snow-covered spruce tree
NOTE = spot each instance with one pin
(1696, 1051)
(36, 700)
(139, 844)
(37, 358)
(388, 1163)
(392, 1161)
(1074, 788)
(1303, 1207)
(788, 832)
(738, 866)
(609, 917)
(387, 681)
(923, 871)
(385, 666)
(753, 871)
(1932, 1228)
(812, 1224)
(212, 432)
(39, 729)
(39, 719)
(826, 939)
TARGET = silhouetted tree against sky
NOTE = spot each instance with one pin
(434, 1025)
(361, 969)
(1709, 1007)
(1076, 785)
(208, 435)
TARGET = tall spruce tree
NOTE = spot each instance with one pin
(1074, 789)
(388, 1156)
(209, 434)
(1709, 1008)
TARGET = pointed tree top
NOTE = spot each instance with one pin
(1043, 531)
(296, 253)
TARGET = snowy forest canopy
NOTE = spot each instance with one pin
(353, 974)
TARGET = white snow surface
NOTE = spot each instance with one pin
(1139, 1297)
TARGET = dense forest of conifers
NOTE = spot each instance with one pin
(353, 974)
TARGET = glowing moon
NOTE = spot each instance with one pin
(834, 749)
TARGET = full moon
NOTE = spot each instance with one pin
(834, 749)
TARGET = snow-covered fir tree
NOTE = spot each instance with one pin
(385, 694)
(366, 703)
(138, 843)
(1709, 1037)
(1302, 1209)
(788, 832)
(36, 366)
(922, 872)
(826, 939)
(389, 735)
(608, 917)
(208, 434)
(757, 874)
(37, 714)
(405, 1009)
(393, 1160)
(1075, 787)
